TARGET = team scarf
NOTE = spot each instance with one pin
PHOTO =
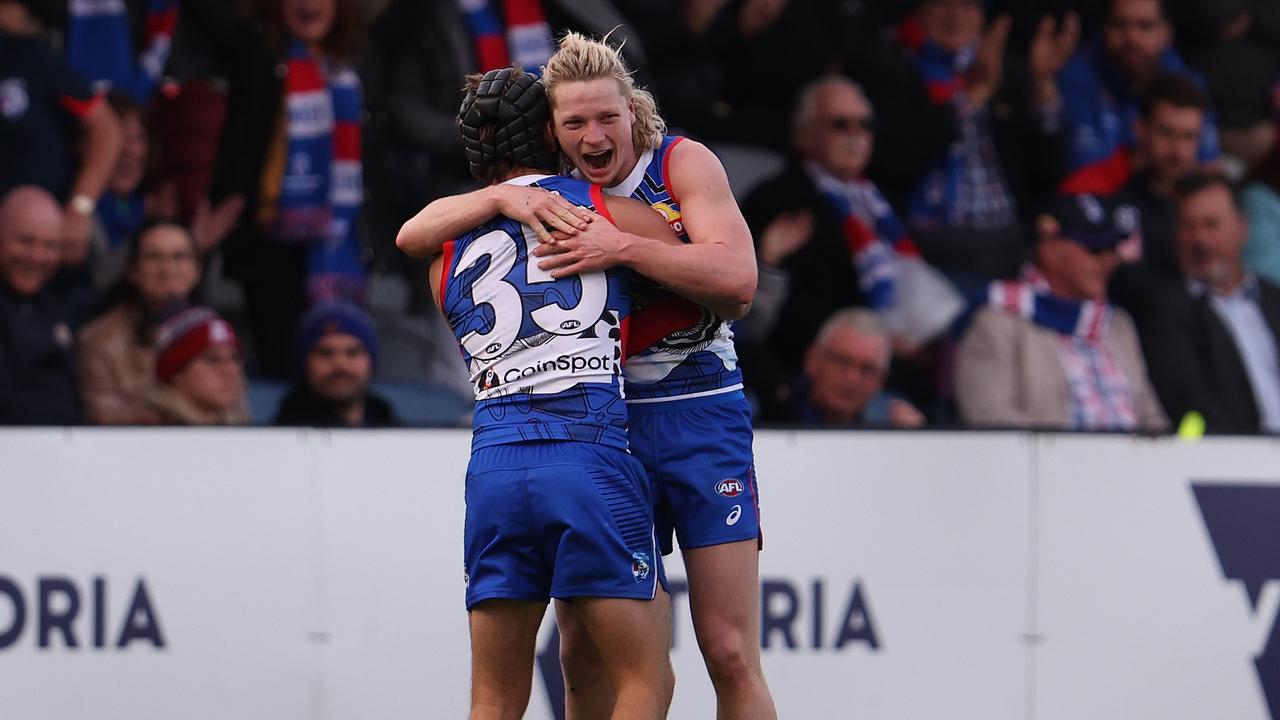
(100, 47)
(322, 187)
(872, 233)
(527, 42)
(1030, 297)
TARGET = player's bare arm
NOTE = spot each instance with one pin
(445, 218)
(637, 222)
(717, 268)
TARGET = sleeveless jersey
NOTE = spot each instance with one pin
(544, 355)
(694, 354)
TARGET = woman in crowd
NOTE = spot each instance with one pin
(117, 363)
(291, 147)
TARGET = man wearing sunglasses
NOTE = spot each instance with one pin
(823, 231)
(1049, 351)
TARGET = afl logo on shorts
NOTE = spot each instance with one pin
(729, 488)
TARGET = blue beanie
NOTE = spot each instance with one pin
(339, 317)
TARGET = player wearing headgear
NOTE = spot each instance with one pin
(690, 423)
(555, 505)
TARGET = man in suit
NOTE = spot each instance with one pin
(1211, 334)
(1049, 350)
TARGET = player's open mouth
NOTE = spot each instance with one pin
(599, 160)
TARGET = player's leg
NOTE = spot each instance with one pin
(588, 693)
(504, 636)
(632, 638)
(599, 509)
(724, 600)
(708, 479)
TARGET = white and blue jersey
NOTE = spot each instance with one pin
(695, 356)
(555, 505)
(544, 355)
(690, 422)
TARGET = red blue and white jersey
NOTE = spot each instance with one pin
(545, 355)
(692, 353)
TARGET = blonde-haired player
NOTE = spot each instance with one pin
(690, 423)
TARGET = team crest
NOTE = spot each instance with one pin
(488, 380)
(640, 566)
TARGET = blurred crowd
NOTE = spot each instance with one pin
(1039, 214)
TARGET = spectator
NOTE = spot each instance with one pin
(117, 357)
(1049, 351)
(126, 207)
(827, 239)
(1211, 335)
(1167, 135)
(198, 368)
(844, 374)
(298, 239)
(122, 209)
(37, 360)
(38, 90)
(1239, 68)
(339, 350)
(965, 212)
(1103, 83)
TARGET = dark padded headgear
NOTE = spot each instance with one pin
(518, 115)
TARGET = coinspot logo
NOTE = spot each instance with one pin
(1244, 524)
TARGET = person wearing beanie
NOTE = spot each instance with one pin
(338, 348)
(199, 373)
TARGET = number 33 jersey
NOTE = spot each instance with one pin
(544, 355)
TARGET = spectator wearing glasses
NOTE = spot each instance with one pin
(117, 358)
(843, 380)
(821, 229)
(1049, 350)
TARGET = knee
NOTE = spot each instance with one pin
(732, 660)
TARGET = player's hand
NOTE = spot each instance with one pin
(541, 210)
(76, 232)
(596, 248)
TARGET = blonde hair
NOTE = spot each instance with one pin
(580, 59)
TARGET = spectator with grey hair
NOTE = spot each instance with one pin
(827, 239)
(843, 380)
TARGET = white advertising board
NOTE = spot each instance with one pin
(313, 575)
(1136, 617)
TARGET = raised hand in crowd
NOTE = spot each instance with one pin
(987, 72)
(757, 15)
(785, 235)
(211, 224)
(699, 14)
(1051, 47)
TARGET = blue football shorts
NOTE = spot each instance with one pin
(698, 455)
(558, 519)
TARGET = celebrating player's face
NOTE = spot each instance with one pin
(593, 126)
